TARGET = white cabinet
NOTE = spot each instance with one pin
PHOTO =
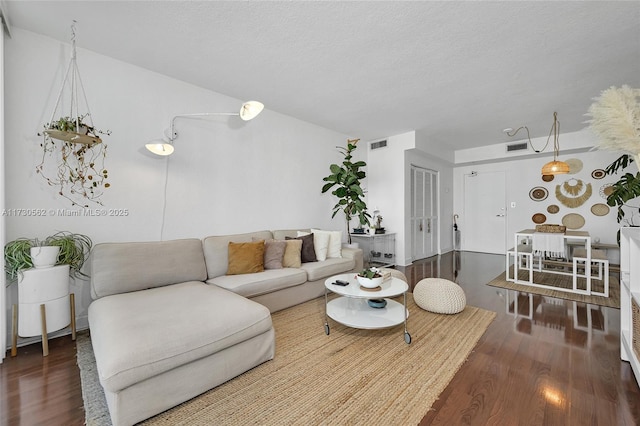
(630, 298)
(378, 249)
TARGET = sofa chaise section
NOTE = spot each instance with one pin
(160, 334)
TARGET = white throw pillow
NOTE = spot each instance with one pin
(335, 243)
(320, 244)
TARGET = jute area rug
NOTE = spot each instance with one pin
(348, 377)
(562, 281)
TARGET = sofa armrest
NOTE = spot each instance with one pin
(356, 254)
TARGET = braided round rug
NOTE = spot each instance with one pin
(348, 377)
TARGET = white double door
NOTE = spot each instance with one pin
(484, 217)
(424, 212)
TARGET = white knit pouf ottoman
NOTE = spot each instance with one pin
(439, 295)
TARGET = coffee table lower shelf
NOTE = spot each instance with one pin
(356, 313)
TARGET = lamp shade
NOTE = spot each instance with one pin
(160, 148)
(250, 110)
(555, 168)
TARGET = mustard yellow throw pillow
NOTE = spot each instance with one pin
(246, 258)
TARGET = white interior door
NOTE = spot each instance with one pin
(484, 219)
(424, 213)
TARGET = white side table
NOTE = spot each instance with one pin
(353, 310)
(44, 305)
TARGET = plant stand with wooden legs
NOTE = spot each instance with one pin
(44, 305)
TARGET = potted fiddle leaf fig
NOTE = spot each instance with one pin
(345, 181)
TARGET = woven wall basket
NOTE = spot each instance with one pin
(600, 209)
(573, 221)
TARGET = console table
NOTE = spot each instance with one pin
(378, 249)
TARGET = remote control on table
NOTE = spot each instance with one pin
(341, 282)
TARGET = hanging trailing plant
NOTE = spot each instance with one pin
(72, 152)
(76, 168)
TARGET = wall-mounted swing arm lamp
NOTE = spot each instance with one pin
(248, 111)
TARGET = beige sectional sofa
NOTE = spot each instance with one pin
(167, 323)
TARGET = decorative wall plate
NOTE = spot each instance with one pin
(553, 209)
(598, 174)
(538, 193)
(600, 209)
(606, 190)
(575, 165)
(539, 218)
(547, 178)
(573, 221)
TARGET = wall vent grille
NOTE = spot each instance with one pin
(379, 144)
(522, 146)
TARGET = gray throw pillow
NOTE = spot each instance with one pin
(274, 253)
(308, 253)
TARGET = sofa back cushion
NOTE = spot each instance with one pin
(216, 250)
(125, 267)
(280, 234)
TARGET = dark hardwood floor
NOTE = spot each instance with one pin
(543, 361)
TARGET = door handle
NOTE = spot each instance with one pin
(428, 226)
(500, 215)
(420, 226)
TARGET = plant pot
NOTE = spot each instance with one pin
(369, 282)
(45, 256)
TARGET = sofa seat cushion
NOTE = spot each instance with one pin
(319, 270)
(139, 335)
(251, 285)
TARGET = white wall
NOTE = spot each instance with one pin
(389, 189)
(569, 142)
(226, 176)
(523, 175)
(3, 318)
(386, 186)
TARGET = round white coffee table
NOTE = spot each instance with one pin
(353, 310)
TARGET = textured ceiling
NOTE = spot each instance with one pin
(457, 72)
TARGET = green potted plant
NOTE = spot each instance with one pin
(73, 249)
(346, 180)
(369, 278)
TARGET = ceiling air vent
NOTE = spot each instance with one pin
(522, 146)
(379, 144)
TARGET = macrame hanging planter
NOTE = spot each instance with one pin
(73, 153)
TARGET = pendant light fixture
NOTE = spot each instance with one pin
(555, 167)
(248, 111)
